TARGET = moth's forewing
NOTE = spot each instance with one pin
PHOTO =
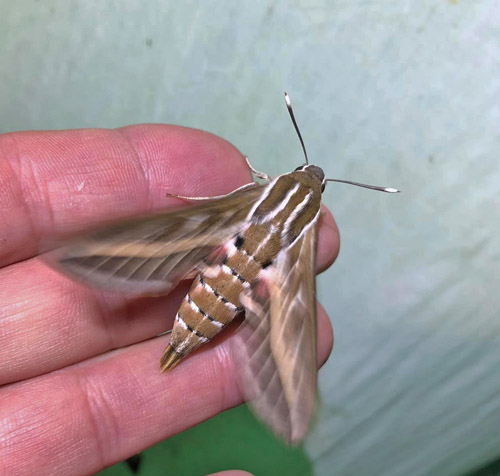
(150, 255)
(275, 347)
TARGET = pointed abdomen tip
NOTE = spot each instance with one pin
(169, 359)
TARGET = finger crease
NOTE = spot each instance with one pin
(35, 231)
(140, 165)
(98, 410)
(103, 312)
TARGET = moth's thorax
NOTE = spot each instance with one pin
(290, 203)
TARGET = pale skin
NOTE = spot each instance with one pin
(80, 383)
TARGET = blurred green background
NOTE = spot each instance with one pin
(398, 93)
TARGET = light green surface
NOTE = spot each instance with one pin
(399, 93)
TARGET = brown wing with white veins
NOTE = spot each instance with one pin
(150, 255)
(275, 346)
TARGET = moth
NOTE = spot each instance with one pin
(253, 251)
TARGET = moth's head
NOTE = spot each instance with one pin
(314, 171)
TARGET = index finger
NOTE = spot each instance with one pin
(57, 183)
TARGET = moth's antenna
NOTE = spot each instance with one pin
(290, 111)
(371, 187)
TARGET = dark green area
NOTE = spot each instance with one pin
(231, 440)
(491, 469)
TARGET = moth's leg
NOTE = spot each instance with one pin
(215, 197)
(258, 174)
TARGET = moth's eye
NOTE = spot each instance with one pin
(323, 187)
(299, 168)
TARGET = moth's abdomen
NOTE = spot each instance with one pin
(211, 304)
(202, 315)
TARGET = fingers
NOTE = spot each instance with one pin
(47, 321)
(328, 240)
(55, 183)
(325, 330)
(91, 415)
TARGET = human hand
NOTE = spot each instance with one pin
(69, 403)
